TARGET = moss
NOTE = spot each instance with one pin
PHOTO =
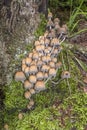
(14, 96)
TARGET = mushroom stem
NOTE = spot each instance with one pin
(62, 40)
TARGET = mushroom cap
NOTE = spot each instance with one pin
(39, 63)
(6, 127)
(26, 71)
(56, 20)
(46, 51)
(52, 64)
(58, 65)
(50, 24)
(30, 55)
(31, 104)
(23, 61)
(57, 27)
(27, 85)
(44, 59)
(37, 43)
(46, 76)
(35, 56)
(65, 74)
(55, 42)
(19, 76)
(41, 38)
(52, 72)
(40, 86)
(65, 26)
(48, 58)
(38, 48)
(41, 42)
(45, 34)
(62, 30)
(28, 61)
(50, 15)
(54, 59)
(32, 79)
(23, 67)
(20, 116)
(39, 76)
(45, 68)
(32, 91)
(33, 69)
(27, 95)
(46, 42)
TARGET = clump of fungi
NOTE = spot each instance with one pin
(41, 64)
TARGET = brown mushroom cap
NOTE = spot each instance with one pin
(23, 61)
(26, 71)
(52, 72)
(6, 127)
(39, 63)
(55, 42)
(58, 65)
(52, 64)
(37, 43)
(41, 38)
(46, 76)
(45, 68)
(39, 76)
(56, 20)
(28, 61)
(19, 76)
(23, 67)
(27, 95)
(31, 104)
(20, 116)
(32, 91)
(32, 79)
(33, 69)
(65, 74)
(54, 59)
(30, 55)
(40, 86)
(46, 42)
(41, 42)
(35, 56)
(27, 85)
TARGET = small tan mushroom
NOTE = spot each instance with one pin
(39, 76)
(45, 68)
(23, 67)
(50, 15)
(56, 20)
(26, 71)
(19, 76)
(32, 91)
(45, 34)
(58, 65)
(54, 59)
(20, 116)
(33, 69)
(23, 61)
(41, 38)
(50, 25)
(41, 42)
(27, 85)
(65, 75)
(37, 43)
(32, 79)
(31, 104)
(46, 76)
(27, 95)
(39, 49)
(48, 58)
(40, 86)
(35, 56)
(52, 72)
(30, 55)
(46, 42)
(55, 42)
(28, 61)
(39, 64)
(52, 64)
(6, 127)
(44, 59)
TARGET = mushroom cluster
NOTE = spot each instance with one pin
(41, 64)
